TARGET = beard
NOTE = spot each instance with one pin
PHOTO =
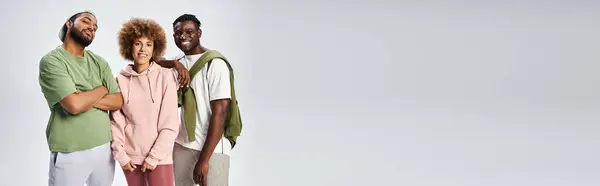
(79, 38)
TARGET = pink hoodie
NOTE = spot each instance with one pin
(145, 128)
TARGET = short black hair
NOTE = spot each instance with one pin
(187, 17)
(63, 31)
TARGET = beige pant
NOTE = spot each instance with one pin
(184, 161)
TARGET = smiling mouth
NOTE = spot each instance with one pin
(87, 33)
(186, 43)
(142, 55)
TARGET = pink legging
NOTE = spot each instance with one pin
(162, 175)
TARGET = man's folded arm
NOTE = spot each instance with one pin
(59, 90)
(110, 102)
(79, 102)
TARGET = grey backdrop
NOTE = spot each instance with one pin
(415, 93)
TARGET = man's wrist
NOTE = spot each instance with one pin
(176, 63)
(203, 159)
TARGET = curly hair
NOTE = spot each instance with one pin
(139, 27)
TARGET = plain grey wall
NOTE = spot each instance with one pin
(419, 93)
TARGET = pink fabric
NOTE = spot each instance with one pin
(145, 128)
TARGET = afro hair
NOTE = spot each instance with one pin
(139, 27)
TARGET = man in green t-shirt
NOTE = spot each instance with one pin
(80, 90)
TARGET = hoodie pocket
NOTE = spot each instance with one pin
(140, 139)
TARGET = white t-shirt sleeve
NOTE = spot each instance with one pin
(218, 80)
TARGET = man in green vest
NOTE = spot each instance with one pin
(211, 121)
(80, 90)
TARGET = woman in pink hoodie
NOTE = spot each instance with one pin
(145, 128)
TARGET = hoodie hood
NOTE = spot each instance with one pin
(131, 74)
(128, 71)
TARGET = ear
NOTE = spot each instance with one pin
(199, 33)
(69, 24)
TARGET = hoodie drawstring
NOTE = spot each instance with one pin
(129, 92)
(149, 87)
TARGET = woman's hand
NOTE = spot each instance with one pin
(147, 166)
(129, 166)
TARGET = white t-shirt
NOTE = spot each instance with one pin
(208, 85)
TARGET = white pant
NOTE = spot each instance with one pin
(94, 167)
(184, 162)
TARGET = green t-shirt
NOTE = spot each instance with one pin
(61, 74)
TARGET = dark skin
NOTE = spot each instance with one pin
(80, 101)
(216, 128)
(183, 75)
(187, 38)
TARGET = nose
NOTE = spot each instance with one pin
(182, 36)
(143, 48)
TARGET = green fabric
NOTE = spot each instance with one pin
(187, 99)
(60, 74)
